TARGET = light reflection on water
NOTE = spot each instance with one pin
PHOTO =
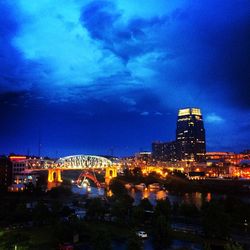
(51, 185)
(195, 198)
(94, 192)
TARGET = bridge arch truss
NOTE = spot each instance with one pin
(83, 162)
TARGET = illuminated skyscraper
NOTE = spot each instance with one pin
(190, 135)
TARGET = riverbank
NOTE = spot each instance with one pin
(180, 183)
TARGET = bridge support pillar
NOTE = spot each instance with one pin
(110, 173)
(54, 175)
(50, 175)
(58, 175)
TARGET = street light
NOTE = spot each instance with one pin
(245, 225)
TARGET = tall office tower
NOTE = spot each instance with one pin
(190, 135)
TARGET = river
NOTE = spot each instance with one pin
(195, 198)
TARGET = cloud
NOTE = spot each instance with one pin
(145, 113)
(214, 118)
(160, 46)
(128, 101)
(13, 70)
(62, 45)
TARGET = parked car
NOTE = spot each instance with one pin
(142, 234)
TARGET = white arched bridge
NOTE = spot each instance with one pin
(87, 163)
(83, 162)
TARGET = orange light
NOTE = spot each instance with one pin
(14, 157)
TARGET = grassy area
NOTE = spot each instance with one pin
(186, 236)
(38, 237)
(41, 236)
(197, 239)
(116, 231)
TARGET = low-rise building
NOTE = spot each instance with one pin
(165, 151)
(5, 171)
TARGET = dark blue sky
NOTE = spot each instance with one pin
(109, 76)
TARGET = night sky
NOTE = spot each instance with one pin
(103, 77)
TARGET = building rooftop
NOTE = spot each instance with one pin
(189, 111)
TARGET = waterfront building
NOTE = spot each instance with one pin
(224, 158)
(19, 163)
(190, 135)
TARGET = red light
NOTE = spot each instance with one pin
(17, 158)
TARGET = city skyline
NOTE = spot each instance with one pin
(106, 77)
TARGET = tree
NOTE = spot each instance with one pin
(55, 212)
(152, 178)
(137, 173)
(95, 209)
(101, 240)
(163, 207)
(145, 204)
(65, 231)
(161, 230)
(216, 222)
(207, 246)
(117, 188)
(11, 239)
(118, 211)
(189, 210)
(41, 213)
(161, 224)
(134, 243)
(60, 191)
(21, 213)
(127, 173)
(66, 211)
(138, 215)
(121, 208)
(29, 187)
(233, 247)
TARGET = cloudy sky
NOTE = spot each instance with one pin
(106, 77)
